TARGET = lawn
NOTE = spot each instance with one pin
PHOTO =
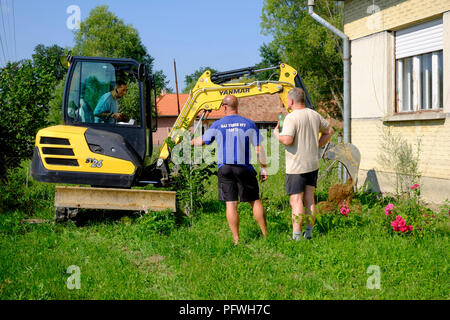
(165, 256)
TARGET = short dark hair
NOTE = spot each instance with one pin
(298, 95)
(120, 83)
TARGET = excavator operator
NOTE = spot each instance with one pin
(107, 107)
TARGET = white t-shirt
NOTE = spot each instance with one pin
(304, 125)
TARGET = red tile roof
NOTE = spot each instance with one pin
(263, 108)
(167, 104)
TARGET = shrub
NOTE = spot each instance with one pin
(412, 217)
(159, 222)
(398, 154)
(344, 215)
(190, 179)
(16, 195)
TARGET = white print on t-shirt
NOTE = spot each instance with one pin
(233, 127)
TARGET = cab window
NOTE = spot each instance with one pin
(106, 93)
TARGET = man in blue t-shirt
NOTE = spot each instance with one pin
(237, 178)
(107, 109)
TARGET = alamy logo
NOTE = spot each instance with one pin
(74, 20)
(374, 281)
(374, 21)
(74, 281)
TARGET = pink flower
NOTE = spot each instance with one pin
(399, 224)
(449, 212)
(388, 209)
(395, 226)
(344, 209)
(414, 186)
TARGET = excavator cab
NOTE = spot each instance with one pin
(90, 79)
(109, 114)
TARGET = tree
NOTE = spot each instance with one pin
(191, 79)
(48, 60)
(23, 111)
(26, 87)
(306, 45)
(270, 57)
(103, 34)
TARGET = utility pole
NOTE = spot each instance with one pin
(176, 85)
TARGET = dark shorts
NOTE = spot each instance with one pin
(295, 183)
(237, 181)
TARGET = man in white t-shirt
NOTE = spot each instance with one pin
(300, 135)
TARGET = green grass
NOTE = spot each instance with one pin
(120, 261)
(126, 258)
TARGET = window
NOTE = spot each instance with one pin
(99, 89)
(419, 67)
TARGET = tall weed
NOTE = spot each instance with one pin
(22, 193)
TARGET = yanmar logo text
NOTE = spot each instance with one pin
(234, 91)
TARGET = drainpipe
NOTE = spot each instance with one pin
(346, 60)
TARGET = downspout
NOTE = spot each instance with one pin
(346, 60)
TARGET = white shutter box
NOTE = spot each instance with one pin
(422, 38)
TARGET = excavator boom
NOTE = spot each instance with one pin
(209, 91)
(207, 95)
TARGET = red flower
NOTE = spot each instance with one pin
(399, 224)
(414, 186)
(344, 209)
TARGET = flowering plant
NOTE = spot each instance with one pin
(344, 210)
(414, 187)
(399, 224)
(412, 215)
(388, 209)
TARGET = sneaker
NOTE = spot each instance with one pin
(304, 236)
(298, 238)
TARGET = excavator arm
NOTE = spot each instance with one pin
(207, 95)
(209, 91)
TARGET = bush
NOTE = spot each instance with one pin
(398, 154)
(160, 222)
(408, 215)
(345, 215)
(16, 195)
(190, 179)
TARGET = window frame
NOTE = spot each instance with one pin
(416, 92)
(66, 99)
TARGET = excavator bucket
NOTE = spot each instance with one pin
(347, 154)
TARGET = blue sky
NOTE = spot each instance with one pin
(222, 34)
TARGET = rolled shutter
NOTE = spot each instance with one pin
(422, 38)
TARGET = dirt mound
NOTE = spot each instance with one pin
(341, 192)
(337, 194)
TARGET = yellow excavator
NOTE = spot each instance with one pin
(108, 152)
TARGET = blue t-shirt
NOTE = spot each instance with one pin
(233, 134)
(106, 104)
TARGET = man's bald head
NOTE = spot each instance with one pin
(231, 102)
